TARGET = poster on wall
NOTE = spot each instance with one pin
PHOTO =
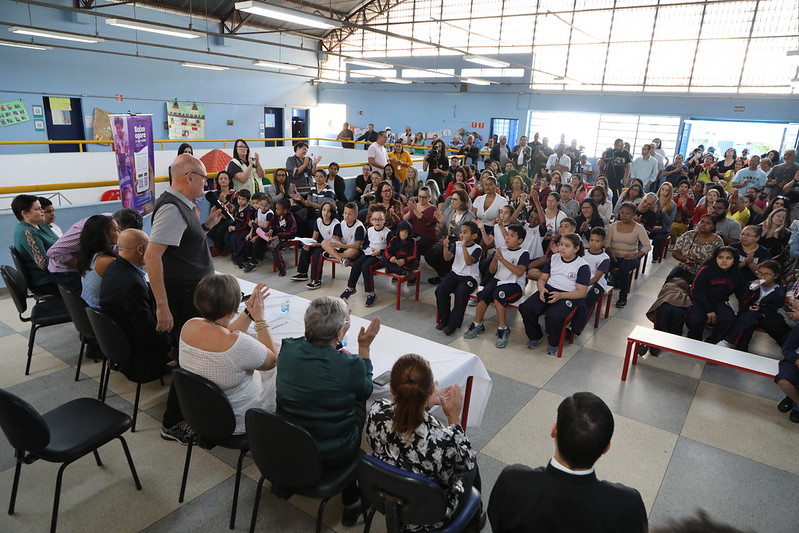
(13, 112)
(133, 145)
(102, 125)
(186, 120)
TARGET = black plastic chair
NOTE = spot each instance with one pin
(116, 348)
(76, 306)
(47, 312)
(207, 410)
(20, 266)
(287, 455)
(408, 498)
(63, 435)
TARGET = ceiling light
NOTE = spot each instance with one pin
(329, 80)
(487, 61)
(31, 46)
(54, 35)
(430, 73)
(203, 65)
(275, 64)
(288, 15)
(153, 28)
(368, 64)
(396, 80)
(475, 81)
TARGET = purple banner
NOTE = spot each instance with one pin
(133, 144)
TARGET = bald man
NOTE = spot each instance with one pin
(178, 256)
(126, 297)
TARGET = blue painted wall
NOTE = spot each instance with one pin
(146, 84)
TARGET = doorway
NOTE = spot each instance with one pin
(63, 118)
(273, 125)
(299, 123)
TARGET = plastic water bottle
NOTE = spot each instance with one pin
(344, 343)
(284, 307)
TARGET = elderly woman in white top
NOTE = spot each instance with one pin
(219, 348)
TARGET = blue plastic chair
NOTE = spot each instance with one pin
(408, 498)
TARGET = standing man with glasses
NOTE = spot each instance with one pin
(177, 258)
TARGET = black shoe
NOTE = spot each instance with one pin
(621, 302)
(249, 267)
(785, 405)
(434, 281)
(794, 416)
(441, 325)
(654, 352)
(411, 280)
(449, 330)
(642, 349)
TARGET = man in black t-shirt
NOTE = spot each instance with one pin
(618, 164)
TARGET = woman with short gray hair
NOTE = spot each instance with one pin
(324, 388)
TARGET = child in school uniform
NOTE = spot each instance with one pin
(760, 306)
(493, 241)
(509, 267)
(599, 262)
(461, 280)
(282, 228)
(566, 226)
(256, 246)
(400, 255)
(562, 285)
(711, 290)
(311, 255)
(237, 231)
(377, 237)
(345, 244)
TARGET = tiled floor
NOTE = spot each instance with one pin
(688, 435)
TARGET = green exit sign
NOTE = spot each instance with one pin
(229, 122)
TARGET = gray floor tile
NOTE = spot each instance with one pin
(507, 397)
(731, 488)
(407, 318)
(211, 512)
(742, 381)
(650, 395)
(5, 330)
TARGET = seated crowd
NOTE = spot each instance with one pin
(534, 213)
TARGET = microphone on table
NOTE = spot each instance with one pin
(213, 199)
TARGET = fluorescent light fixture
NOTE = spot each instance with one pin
(288, 15)
(153, 28)
(203, 66)
(31, 46)
(329, 80)
(492, 72)
(54, 35)
(487, 61)
(475, 81)
(374, 73)
(396, 80)
(368, 64)
(275, 64)
(431, 73)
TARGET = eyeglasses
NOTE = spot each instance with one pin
(203, 176)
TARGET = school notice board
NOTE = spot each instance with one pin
(186, 120)
(13, 112)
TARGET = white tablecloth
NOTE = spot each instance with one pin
(450, 366)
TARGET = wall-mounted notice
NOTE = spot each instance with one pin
(13, 112)
(186, 120)
(133, 144)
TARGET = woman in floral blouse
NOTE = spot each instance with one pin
(402, 433)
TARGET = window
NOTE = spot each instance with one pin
(596, 132)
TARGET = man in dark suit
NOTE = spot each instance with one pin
(126, 297)
(566, 496)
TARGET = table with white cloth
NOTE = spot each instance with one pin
(450, 366)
